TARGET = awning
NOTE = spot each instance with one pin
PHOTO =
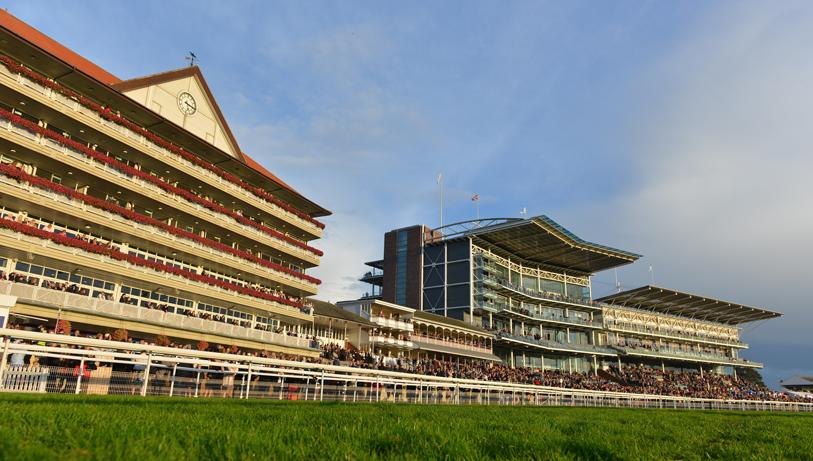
(667, 301)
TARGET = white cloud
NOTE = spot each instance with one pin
(724, 205)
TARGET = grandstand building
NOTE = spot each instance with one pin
(393, 331)
(528, 283)
(129, 205)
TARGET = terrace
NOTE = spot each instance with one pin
(554, 345)
(684, 355)
(52, 250)
(70, 302)
(97, 169)
(522, 313)
(127, 136)
(153, 233)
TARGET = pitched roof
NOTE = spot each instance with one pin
(172, 75)
(326, 309)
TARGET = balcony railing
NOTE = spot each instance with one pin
(451, 344)
(105, 215)
(542, 316)
(210, 215)
(536, 295)
(555, 345)
(78, 303)
(235, 189)
(681, 354)
(672, 334)
(147, 271)
(392, 323)
(390, 341)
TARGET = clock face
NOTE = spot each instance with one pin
(187, 103)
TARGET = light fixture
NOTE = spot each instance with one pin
(70, 173)
(118, 192)
(22, 103)
(81, 131)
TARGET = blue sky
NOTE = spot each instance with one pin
(678, 130)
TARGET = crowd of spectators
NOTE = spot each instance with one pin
(629, 379)
(152, 305)
(97, 245)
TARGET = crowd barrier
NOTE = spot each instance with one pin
(76, 365)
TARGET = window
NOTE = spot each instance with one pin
(401, 267)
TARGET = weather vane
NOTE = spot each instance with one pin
(191, 58)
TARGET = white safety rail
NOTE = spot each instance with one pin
(94, 366)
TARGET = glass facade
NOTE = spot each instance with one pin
(400, 267)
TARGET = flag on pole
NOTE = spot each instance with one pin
(475, 197)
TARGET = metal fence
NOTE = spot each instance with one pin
(74, 365)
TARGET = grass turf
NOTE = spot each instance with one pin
(110, 428)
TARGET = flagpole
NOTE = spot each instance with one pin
(440, 185)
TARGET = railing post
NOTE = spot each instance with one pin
(248, 382)
(172, 382)
(322, 386)
(146, 376)
(4, 362)
(197, 382)
(79, 374)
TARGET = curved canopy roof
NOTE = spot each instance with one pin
(668, 301)
(542, 241)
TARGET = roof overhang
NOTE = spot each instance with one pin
(541, 240)
(47, 56)
(429, 347)
(428, 318)
(668, 301)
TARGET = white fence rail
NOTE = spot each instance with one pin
(92, 366)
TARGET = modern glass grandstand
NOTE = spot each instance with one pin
(129, 205)
(528, 282)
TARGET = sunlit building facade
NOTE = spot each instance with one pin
(129, 205)
(529, 283)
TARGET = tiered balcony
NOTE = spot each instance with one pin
(82, 114)
(540, 297)
(80, 161)
(545, 317)
(79, 257)
(554, 345)
(111, 309)
(381, 340)
(157, 235)
(673, 334)
(690, 356)
(393, 324)
(450, 344)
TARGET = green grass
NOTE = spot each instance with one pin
(110, 428)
